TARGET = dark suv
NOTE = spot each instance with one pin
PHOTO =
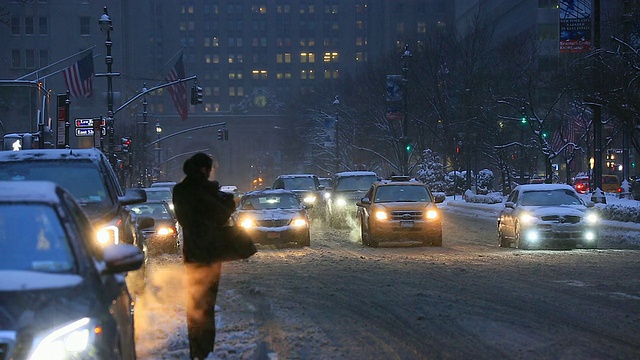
(306, 187)
(88, 176)
(348, 188)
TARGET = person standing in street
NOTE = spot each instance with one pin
(202, 214)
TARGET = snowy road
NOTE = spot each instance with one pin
(468, 299)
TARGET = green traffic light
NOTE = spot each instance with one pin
(523, 120)
(409, 147)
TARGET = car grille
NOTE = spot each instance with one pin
(562, 219)
(273, 223)
(406, 215)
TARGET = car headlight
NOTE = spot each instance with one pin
(431, 214)
(298, 222)
(309, 199)
(247, 223)
(327, 195)
(381, 215)
(66, 342)
(165, 231)
(526, 218)
(592, 218)
(341, 202)
(108, 235)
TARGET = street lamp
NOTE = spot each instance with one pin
(144, 162)
(336, 104)
(406, 148)
(106, 26)
(158, 132)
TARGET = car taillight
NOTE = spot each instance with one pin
(619, 189)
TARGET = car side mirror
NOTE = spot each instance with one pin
(509, 204)
(364, 201)
(133, 196)
(120, 258)
(590, 204)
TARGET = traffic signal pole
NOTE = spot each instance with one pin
(184, 131)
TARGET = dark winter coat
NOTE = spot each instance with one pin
(202, 212)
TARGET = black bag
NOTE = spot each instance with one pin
(236, 244)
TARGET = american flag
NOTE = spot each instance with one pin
(179, 91)
(79, 77)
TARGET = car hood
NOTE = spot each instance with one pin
(542, 211)
(350, 194)
(406, 206)
(38, 301)
(275, 214)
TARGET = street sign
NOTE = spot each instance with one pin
(84, 127)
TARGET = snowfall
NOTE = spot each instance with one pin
(161, 319)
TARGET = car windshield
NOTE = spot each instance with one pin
(327, 183)
(82, 179)
(299, 183)
(271, 202)
(33, 239)
(158, 195)
(350, 183)
(402, 193)
(557, 197)
(157, 211)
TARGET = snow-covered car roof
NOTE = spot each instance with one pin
(543, 187)
(51, 154)
(356, 173)
(268, 192)
(288, 176)
(38, 191)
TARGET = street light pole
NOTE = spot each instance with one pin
(158, 149)
(144, 162)
(406, 56)
(336, 104)
(106, 26)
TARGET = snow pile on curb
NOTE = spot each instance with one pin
(490, 198)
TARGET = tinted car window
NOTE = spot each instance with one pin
(402, 193)
(43, 244)
(355, 183)
(271, 202)
(158, 195)
(549, 198)
(299, 183)
(82, 179)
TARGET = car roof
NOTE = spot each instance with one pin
(158, 188)
(268, 192)
(92, 154)
(30, 191)
(541, 187)
(288, 176)
(356, 173)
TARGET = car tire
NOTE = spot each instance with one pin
(364, 236)
(502, 240)
(520, 244)
(306, 241)
(436, 241)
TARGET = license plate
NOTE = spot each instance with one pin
(406, 224)
(273, 235)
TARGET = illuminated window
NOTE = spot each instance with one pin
(330, 57)
(303, 74)
(359, 25)
(207, 107)
(312, 74)
(327, 74)
(240, 91)
(359, 57)
(216, 41)
(287, 76)
(216, 58)
(334, 74)
(311, 42)
(303, 57)
(279, 58)
(239, 59)
(279, 76)
(232, 76)
(232, 91)
(259, 74)
(216, 107)
(190, 9)
(207, 59)
(287, 58)
(231, 58)
(358, 41)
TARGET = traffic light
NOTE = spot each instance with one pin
(126, 143)
(226, 134)
(523, 119)
(409, 147)
(17, 142)
(220, 134)
(196, 95)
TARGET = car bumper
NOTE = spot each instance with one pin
(551, 235)
(280, 235)
(161, 244)
(406, 231)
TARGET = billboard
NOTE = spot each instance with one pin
(575, 26)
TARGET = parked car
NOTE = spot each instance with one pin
(581, 184)
(399, 212)
(273, 217)
(89, 177)
(349, 188)
(165, 237)
(305, 186)
(63, 295)
(547, 215)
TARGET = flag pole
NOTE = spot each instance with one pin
(55, 63)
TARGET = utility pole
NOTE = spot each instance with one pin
(406, 141)
(336, 104)
(627, 22)
(597, 195)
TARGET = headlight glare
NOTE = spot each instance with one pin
(526, 218)
(298, 222)
(381, 215)
(165, 231)
(431, 214)
(309, 199)
(108, 235)
(247, 223)
(66, 342)
(341, 202)
(592, 218)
